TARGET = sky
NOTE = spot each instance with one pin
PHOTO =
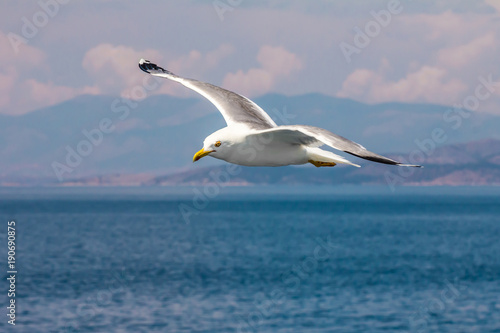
(443, 52)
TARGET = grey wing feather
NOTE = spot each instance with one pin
(289, 135)
(316, 136)
(235, 109)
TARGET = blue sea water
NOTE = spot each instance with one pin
(254, 263)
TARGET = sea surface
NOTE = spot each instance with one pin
(209, 260)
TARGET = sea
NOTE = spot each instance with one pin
(252, 259)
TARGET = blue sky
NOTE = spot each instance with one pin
(425, 51)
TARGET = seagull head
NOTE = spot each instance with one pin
(217, 144)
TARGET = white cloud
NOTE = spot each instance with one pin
(194, 63)
(44, 94)
(462, 55)
(439, 64)
(276, 63)
(114, 68)
(427, 84)
(19, 97)
(449, 26)
(19, 91)
(27, 57)
(13, 65)
(277, 60)
(444, 35)
(200, 62)
(255, 81)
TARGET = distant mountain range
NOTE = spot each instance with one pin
(476, 163)
(103, 140)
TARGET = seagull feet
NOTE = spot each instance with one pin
(322, 164)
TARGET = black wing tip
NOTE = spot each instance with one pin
(143, 65)
(375, 158)
(384, 160)
(147, 66)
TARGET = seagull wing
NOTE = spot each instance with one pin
(235, 109)
(314, 137)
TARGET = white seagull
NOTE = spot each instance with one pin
(252, 138)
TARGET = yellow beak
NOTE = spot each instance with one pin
(201, 153)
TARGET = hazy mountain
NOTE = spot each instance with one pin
(159, 135)
(475, 163)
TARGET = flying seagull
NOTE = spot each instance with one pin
(252, 138)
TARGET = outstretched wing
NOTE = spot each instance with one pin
(235, 109)
(314, 137)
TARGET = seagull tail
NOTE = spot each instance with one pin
(410, 165)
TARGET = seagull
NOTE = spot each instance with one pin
(252, 138)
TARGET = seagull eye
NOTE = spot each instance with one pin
(217, 144)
